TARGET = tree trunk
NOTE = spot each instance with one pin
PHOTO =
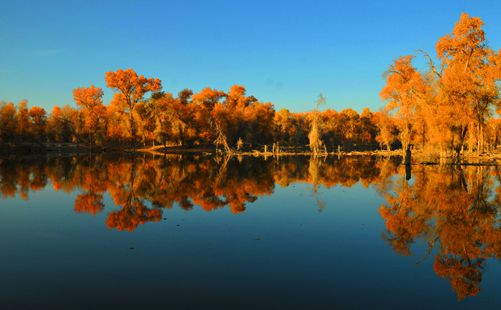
(132, 126)
(408, 173)
(407, 159)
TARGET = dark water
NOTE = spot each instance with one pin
(204, 233)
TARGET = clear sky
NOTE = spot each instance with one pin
(286, 52)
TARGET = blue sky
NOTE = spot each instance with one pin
(286, 52)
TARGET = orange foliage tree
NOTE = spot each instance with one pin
(93, 112)
(38, 118)
(8, 121)
(131, 89)
(405, 91)
(466, 87)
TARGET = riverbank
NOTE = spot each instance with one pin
(418, 157)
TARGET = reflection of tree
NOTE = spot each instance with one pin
(464, 275)
(21, 177)
(126, 190)
(132, 214)
(93, 184)
(142, 186)
(453, 210)
(89, 203)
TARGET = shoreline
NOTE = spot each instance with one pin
(68, 149)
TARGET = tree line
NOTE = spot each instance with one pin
(447, 109)
(141, 114)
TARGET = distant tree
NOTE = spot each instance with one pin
(185, 96)
(388, 132)
(209, 129)
(61, 125)
(8, 121)
(38, 118)
(23, 121)
(314, 136)
(208, 98)
(285, 130)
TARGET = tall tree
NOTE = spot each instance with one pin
(469, 83)
(314, 136)
(132, 89)
(90, 101)
(404, 91)
(210, 129)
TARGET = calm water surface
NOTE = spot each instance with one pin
(103, 232)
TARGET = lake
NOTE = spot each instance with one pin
(202, 232)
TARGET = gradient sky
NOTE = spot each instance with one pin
(286, 52)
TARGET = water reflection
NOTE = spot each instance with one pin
(144, 186)
(455, 211)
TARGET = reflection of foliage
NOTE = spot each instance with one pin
(90, 203)
(402, 229)
(143, 186)
(455, 211)
(453, 208)
(130, 216)
(464, 275)
(93, 184)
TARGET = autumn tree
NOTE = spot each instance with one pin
(469, 77)
(131, 89)
(314, 136)
(210, 129)
(38, 119)
(404, 92)
(368, 128)
(61, 125)
(90, 101)
(23, 121)
(185, 96)
(144, 117)
(54, 130)
(388, 131)
(8, 121)
(283, 126)
(247, 119)
(237, 97)
(172, 118)
(208, 98)
(118, 130)
(349, 125)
